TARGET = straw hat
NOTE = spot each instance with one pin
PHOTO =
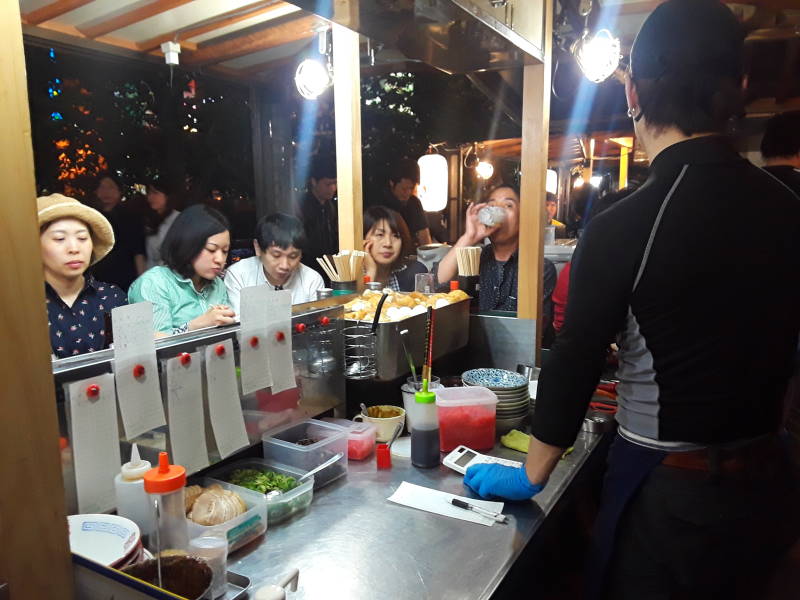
(56, 206)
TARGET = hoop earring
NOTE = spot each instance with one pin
(632, 113)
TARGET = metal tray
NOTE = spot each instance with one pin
(451, 332)
(237, 586)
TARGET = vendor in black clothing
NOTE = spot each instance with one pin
(400, 198)
(699, 498)
(780, 148)
(127, 260)
(318, 212)
(499, 264)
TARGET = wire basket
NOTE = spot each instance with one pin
(359, 351)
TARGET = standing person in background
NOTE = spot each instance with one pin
(279, 244)
(318, 212)
(401, 199)
(126, 261)
(699, 497)
(780, 148)
(158, 220)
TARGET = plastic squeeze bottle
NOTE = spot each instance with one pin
(165, 487)
(424, 429)
(132, 501)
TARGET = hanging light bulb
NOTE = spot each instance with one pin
(484, 169)
(597, 54)
(312, 78)
(579, 182)
(433, 182)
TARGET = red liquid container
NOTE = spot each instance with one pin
(467, 416)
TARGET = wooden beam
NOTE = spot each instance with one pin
(226, 19)
(268, 37)
(347, 107)
(34, 556)
(129, 18)
(533, 163)
(51, 11)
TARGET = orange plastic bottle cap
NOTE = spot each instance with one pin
(453, 285)
(164, 478)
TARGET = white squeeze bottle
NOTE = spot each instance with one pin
(132, 501)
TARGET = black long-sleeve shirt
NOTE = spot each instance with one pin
(704, 298)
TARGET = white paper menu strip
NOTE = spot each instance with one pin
(224, 407)
(95, 442)
(187, 426)
(140, 402)
(278, 311)
(253, 349)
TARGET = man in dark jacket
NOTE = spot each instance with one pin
(780, 148)
(318, 211)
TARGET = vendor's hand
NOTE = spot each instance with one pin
(215, 316)
(474, 230)
(500, 481)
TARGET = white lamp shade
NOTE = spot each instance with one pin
(433, 182)
(551, 184)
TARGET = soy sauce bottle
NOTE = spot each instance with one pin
(424, 429)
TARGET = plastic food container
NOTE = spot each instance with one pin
(360, 437)
(281, 507)
(324, 441)
(242, 529)
(466, 416)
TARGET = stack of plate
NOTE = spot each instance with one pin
(110, 540)
(511, 389)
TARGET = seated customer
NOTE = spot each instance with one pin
(74, 236)
(387, 241)
(500, 259)
(187, 292)
(279, 245)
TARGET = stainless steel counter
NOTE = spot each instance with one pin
(353, 544)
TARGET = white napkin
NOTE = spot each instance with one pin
(437, 502)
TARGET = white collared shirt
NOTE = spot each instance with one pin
(303, 283)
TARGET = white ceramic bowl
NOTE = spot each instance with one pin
(105, 539)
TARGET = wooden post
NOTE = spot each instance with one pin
(34, 554)
(347, 105)
(624, 153)
(535, 132)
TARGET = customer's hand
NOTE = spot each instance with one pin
(500, 481)
(215, 316)
(370, 266)
(474, 230)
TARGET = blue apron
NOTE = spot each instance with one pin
(628, 466)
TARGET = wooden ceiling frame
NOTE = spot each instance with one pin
(227, 19)
(130, 18)
(263, 38)
(51, 11)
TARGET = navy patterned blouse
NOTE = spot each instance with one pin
(81, 328)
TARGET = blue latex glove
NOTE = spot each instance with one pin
(500, 481)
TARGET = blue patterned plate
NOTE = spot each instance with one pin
(494, 378)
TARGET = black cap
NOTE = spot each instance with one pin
(700, 36)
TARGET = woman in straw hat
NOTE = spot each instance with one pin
(74, 237)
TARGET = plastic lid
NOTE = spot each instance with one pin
(367, 278)
(465, 396)
(453, 285)
(424, 396)
(165, 478)
(136, 467)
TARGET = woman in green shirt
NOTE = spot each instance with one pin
(187, 292)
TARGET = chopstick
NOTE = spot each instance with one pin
(469, 259)
(345, 266)
(426, 367)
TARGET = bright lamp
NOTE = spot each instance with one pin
(484, 169)
(312, 78)
(433, 182)
(551, 183)
(597, 55)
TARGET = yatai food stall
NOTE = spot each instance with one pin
(217, 400)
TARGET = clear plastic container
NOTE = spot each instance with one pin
(326, 440)
(467, 416)
(360, 437)
(239, 530)
(281, 507)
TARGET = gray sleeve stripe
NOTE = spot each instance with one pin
(656, 223)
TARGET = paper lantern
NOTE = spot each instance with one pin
(433, 182)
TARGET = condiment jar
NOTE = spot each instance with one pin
(424, 429)
(165, 486)
(132, 501)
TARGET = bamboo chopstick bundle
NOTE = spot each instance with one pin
(469, 259)
(347, 265)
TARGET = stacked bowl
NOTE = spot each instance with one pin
(511, 389)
